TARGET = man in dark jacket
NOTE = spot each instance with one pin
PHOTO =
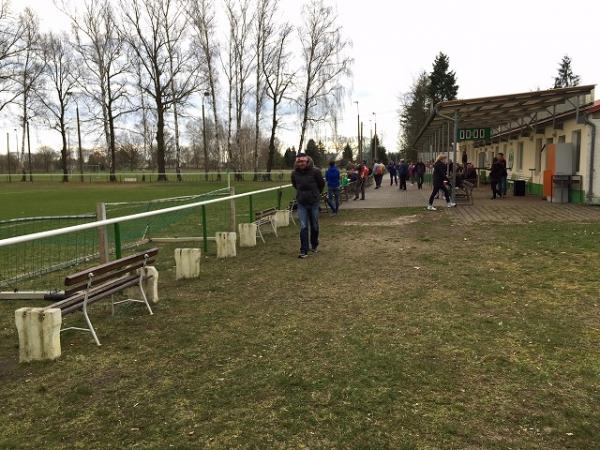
(393, 171)
(439, 180)
(333, 187)
(309, 183)
(403, 174)
(420, 173)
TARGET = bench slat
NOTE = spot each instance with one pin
(82, 276)
(99, 296)
(102, 278)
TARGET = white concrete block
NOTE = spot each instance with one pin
(187, 263)
(282, 219)
(39, 333)
(226, 245)
(247, 234)
(151, 284)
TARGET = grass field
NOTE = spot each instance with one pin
(38, 199)
(394, 336)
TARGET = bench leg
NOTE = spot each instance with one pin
(141, 285)
(292, 217)
(274, 226)
(259, 232)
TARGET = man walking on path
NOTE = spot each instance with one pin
(420, 173)
(403, 174)
(439, 182)
(363, 174)
(502, 182)
(309, 183)
(378, 170)
(391, 168)
(333, 187)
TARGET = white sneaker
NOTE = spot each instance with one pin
(451, 205)
(431, 208)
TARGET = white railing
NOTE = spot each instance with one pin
(102, 223)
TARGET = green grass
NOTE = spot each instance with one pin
(39, 198)
(392, 337)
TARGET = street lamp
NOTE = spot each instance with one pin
(376, 142)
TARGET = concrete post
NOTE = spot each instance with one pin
(247, 234)
(282, 219)
(187, 263)
(226, 245)
(39, 333)
(151, 284)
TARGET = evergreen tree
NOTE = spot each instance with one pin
(312, 150)
(289, 157)
(412, 115)
(566, 77)
(442, 81)
(347, 153)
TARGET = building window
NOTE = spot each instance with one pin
(562, 139)
(520, 156)
(576, 140)
(550, 141)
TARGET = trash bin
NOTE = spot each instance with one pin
(560, 188)
(519, 188)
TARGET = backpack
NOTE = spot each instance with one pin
(378, 170)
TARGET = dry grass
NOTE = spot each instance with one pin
(390, 337)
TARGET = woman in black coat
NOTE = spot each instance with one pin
(439, 182)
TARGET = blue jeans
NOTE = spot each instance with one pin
(308, 215)
(502, 186)
(333, 199)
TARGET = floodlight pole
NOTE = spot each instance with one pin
(454, 165)
(358, 136)
(8, 155)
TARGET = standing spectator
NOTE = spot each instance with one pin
(439, 182)
(378, 170)
(420, 173)
(411, 172)
(309, 183)
(363, 175)
(465, 158)
(503, 176)
(333, 187)
(352, 179)
(391, 168)
(403, 174)
(496, 173)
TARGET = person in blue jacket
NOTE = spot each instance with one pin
(332, 176)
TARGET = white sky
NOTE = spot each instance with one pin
(513, 46)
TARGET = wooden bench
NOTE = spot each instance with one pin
(265, 217)
(96, 283)
(464, 193)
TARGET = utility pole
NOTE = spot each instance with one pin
(29, 152)
(79, 139)
(358, 134)
(376, 141)
(8, 155)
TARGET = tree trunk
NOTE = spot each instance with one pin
(160, 142)
(303, 129)
(111, 135)
(64, 155)
(272, 141)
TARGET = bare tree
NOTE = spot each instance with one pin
(145, 33)
(241, 60)
(30, 68)
(102, 52)
(202, 19)
(10, 35)
(278, 79)
(62, 77)
(264, 27)
(324, 62)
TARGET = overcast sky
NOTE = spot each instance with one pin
(495, 48)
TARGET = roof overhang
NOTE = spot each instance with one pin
(504, 110)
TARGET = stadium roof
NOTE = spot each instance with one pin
(493, 112)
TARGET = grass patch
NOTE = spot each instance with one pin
(390, 337)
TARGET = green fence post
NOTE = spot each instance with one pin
(204, 230)
(118, 250)
(251, 212)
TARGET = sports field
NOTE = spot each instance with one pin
(395, 336)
